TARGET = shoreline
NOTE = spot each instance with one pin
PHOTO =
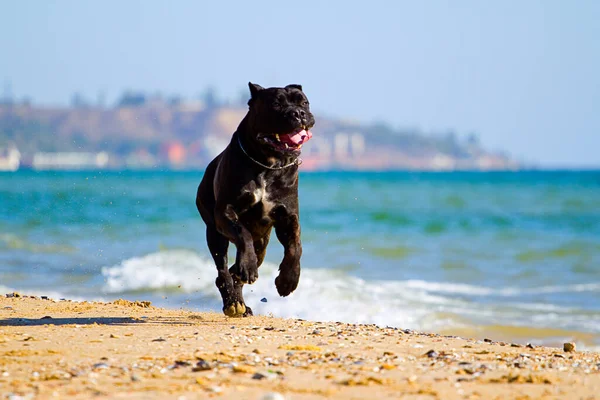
(133, 350)
(519, 334)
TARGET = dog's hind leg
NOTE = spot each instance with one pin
(260, 249)
(246, 262)
(287, 228)
(238, 287)
(233, 303)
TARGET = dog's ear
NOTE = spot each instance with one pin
(254, 89)
(294, 86)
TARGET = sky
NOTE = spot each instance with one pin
(523, 75)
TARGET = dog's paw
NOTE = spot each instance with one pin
(286, 283)
(235, 310)
(249, 275)
(246, 272)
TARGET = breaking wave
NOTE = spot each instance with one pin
(335, 295)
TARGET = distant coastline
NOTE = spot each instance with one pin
(159, 134)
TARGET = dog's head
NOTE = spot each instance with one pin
(280, 118)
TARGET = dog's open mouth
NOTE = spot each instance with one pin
(288, 141)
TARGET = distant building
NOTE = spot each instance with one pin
(341, 145)
(348, 144)
(318, 146)
(215, 144)
(141, 159)
(70, 160)
(443, 162)
(193, 106)
(357, 144)
(10, 159)
(492, 162)
(175, 152)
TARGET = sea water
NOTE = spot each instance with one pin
(508, 255)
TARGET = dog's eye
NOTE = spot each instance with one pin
(276, 104)
(305, 104)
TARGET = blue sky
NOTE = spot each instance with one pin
(524, 75)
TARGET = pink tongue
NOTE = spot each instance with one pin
(299, 137)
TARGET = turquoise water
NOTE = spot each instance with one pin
(507, 255)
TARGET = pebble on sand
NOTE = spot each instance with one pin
(273, 396)
(569, 347)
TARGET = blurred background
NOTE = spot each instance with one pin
(451, 185)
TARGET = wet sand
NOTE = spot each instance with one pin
(125, 350)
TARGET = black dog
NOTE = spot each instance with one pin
(251, 187)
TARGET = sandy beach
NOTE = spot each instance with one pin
(64, 349)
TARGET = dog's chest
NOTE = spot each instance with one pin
(262, 197)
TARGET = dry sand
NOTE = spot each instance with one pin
(64, 349)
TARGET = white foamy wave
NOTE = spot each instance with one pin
(333, 295)
(325, 295)
(168, 269)
(465, 289)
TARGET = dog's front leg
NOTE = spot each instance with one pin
(287, 228)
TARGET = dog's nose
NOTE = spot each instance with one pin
(300, 115)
